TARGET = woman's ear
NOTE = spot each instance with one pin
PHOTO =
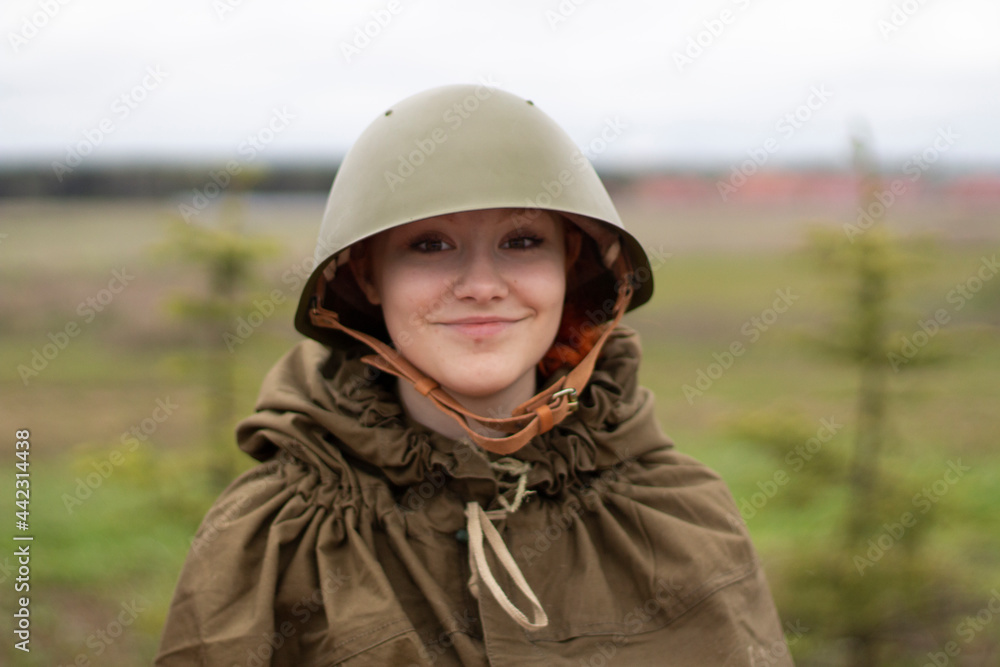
(361, 269)
(573, 243)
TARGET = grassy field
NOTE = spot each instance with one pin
(112, 516)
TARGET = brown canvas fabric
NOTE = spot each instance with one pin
(347, 545)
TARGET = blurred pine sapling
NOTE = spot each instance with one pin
(868, 591)
(230, 263)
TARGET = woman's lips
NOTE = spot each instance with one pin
(479, 327)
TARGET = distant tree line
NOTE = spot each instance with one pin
(150, 181)
(127, 180)
(164, 180)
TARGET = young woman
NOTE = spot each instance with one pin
(459, 467)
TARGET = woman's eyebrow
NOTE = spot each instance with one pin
(522, 221)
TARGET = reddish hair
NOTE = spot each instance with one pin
(576, 337)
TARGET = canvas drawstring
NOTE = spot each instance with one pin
(479, 524)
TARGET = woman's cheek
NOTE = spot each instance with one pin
(553, 284)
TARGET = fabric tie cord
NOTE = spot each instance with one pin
(513, 468)
(478, 525)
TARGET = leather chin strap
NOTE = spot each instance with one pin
(535, 416)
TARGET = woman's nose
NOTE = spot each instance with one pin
(480, 278)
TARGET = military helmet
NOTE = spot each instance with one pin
(463, 148)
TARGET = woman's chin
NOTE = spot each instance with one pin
(497, 386)
(479, 391)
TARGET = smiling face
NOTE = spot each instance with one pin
(472, 299)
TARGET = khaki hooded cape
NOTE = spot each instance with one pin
(347, 544)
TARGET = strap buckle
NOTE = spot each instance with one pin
(570, 394)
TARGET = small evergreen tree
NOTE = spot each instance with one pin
(230, 262)
(866, 588)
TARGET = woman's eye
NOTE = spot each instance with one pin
(430, 245)
(521, 243)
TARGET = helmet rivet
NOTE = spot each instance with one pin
(389, 112)
(530, 102)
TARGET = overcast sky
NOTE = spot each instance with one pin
(688, 82)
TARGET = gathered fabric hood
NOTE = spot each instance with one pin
(348, 410)
(353, 541)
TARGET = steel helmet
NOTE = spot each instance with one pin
(462, 148)
(466, 148)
